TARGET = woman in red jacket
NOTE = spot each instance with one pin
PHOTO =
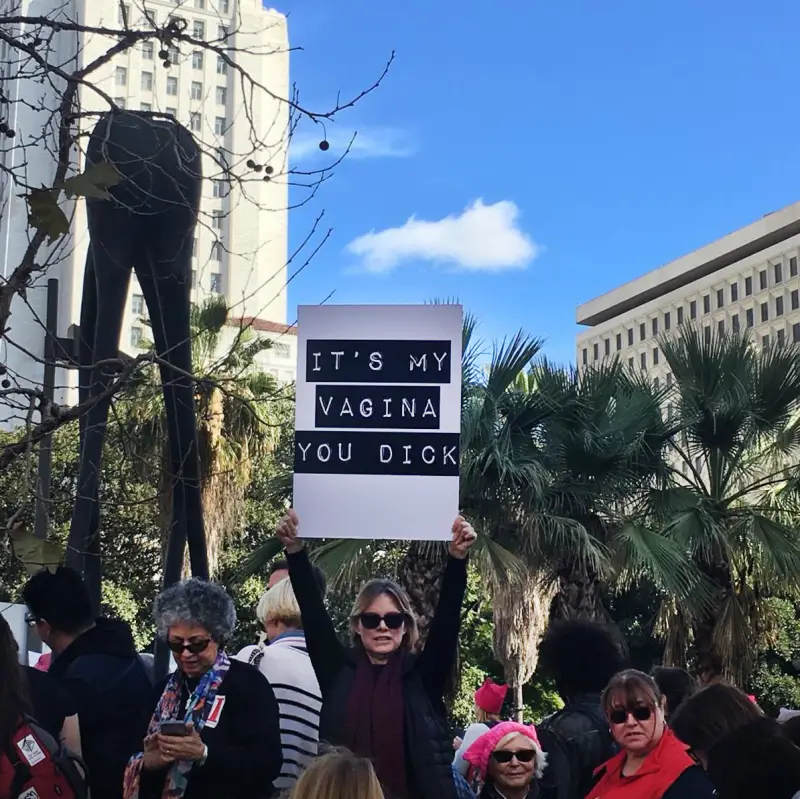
(653, 763)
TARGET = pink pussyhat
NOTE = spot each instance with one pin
(490, 696)
(481, 750)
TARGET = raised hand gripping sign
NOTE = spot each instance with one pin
(378, 421)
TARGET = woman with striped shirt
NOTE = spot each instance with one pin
(286, 664)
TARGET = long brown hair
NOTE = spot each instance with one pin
(339, 774)
(630, 688)
(369, 593)
(13, 684)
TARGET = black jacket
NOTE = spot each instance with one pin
(429, 744)
(103, 672)
(244, 748)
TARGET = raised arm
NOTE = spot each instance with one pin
(324, 648)
(441, 648)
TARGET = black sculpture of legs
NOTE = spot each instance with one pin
(148, 226)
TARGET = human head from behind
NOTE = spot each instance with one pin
(508, 758)
(278, 610)
(489, 700)
(569, 646)
(756, 759)
(675, 685)
(381, 621)
(634, 707)
(338, 774)
(711, 713)
(197, 618)
(279, 570)
(14, 700)
(59, 606)
(791, 729)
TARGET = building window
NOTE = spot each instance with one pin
(124, 14)
(225, 6)
(201, 4)
(585, 356)
(216, 283)
(196, 122)
(197, 59)
(667, 321)
(655, 327)
(607, 347)
(642, 332)
(734, 292)
(643, 360)
(765, 341)
(219, 188)
(151, 16)
(707, 334)
(749, 317)
(596, 351)
(762, 279)
(795, 298)
(222, 32)
(655, 356)
(197, 90)
(136, 336)
(145, 107)
(670, 414)
(137, 305)
(778, 273)
(121, 76)
(222, 95)
(222, 66)
(630, 336)
(147, 81)
(680, 315)
(693, 309)
(706, 304)
(281, 350)
(781, 338)
(220, 125)
(171, 111)
(748, 286)
(119, 102)
(630, 360)
(721, 326)
(764, 311)
(669, 378)
(796, 332)
(194, 247)
(793, 267)
(720, 298)
(216, 251)
(148, 49)
(619, 341)
(194, 279)
(779, 306)
(173, 55)
(199, 29)
(172, 87)
(735, 322)
(656, 383)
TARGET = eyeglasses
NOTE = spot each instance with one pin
(506, 756)
(193, 647)
(639, 713)
(31, 620)
(371, 621)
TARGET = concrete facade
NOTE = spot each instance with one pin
(747, 280)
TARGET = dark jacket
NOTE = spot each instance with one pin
(244, 748)
(103, 672)
(51, 702)
(577, 741)
(428, 742)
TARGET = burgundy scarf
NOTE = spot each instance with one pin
(374, 725)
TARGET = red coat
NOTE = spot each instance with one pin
(662, 766)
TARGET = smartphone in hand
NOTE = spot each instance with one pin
(175, 728)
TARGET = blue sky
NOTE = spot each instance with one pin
(588, 142)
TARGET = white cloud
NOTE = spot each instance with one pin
(363, 143)
(483, 238)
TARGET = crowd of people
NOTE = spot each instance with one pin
(300, 714)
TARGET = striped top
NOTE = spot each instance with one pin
(285, 663)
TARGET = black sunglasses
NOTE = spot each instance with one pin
(639, 713)
(31, 620)
(505, 756)
(371, 621)
(193, 647)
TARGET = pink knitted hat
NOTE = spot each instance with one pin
(481, 750)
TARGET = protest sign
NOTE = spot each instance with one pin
(378, 419)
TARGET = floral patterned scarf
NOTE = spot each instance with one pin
(197, 709)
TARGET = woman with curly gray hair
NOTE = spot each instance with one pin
(214, 732)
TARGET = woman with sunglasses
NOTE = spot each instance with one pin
(380, 698)
(214, 733)
(508, 761)
(653, 763)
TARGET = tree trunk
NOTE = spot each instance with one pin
(420, 573)
(519, 703)
(578, 595)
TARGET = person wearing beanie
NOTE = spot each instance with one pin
(507, 761)
(489, 700)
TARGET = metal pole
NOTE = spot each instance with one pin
(41, 516)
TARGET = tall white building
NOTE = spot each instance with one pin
(747, 280)
(241, 238)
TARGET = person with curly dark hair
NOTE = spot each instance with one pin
(676, 685)
(581, 657)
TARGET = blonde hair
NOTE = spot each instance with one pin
(541, 756)
(339, 774)
(482, 716)
(369, 593)
(280, 604)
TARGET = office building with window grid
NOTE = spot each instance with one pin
(240, 247)
(747, 280)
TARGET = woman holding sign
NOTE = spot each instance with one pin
(379, 699)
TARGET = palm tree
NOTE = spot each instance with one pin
(239, 414)
(732, 502)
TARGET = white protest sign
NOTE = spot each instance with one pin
(378, 420)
